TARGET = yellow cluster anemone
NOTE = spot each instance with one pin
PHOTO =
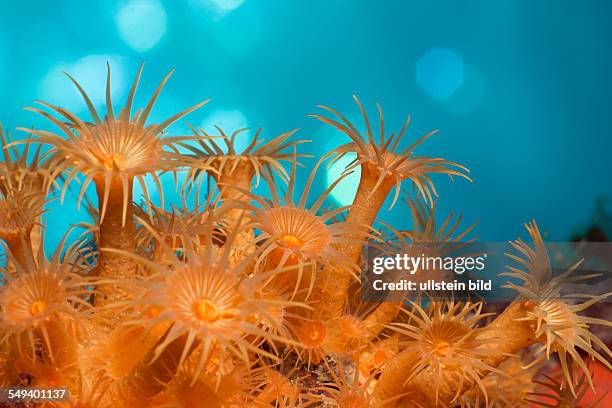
(234, 169)
(24, 184)
(383, 166)
(449, 354)
(346, 391)
(20, 212)
(113, 150)
(243, 295)
(192, 387)
(207, 301)
(555, 315)
(259, 159)
(59, 369)
(425, 236)
(172, 225)
(382, 160)
(508, 388)
(42, 292)
(299, 234)
(22, 171)
(278, 390)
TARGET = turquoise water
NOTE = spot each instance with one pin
(520, 90)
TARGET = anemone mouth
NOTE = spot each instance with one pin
(38, 307)
(387, 162)
(29, 300)
(380, 357)
(114, 161)
(27, 310)
(295, 235)
(206, 310)
(297, 229)
(203, 296)
(445, 339)
(290, 241)
(441, 348)
(311, 337)
(108, 147)
(152, 312)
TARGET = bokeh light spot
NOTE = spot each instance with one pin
(345, 191)
(229, 121)
(239, 34)
(217, 8)
(90, 72)
(469, 95)
(141, 23)
(439, 73)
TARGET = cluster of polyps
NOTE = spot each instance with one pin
(246, 300)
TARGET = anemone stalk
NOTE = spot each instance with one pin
(115, 233)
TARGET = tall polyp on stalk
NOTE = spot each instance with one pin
(112, 152)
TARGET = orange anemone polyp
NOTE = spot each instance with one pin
(346, 336)
(206, 310)
(313, 333)
(38, 307)
(442, 348)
